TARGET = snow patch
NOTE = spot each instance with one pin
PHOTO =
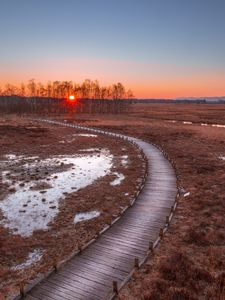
(90, 150)
(171, 121)
(85, 134)
(86, 216)
(222, 157)
(33, 257)
(118, 180)
(187, 122)
(187, 194)
(29, 209)
(124, 160)
(218, 125)
(12, 156)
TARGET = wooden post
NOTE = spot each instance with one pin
(79, 248)
(161, 233)
(55, 267)
(167, 220)
(151, 246)
(115, 287)
(22, 289)
(136, 263)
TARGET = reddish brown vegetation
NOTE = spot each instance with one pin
(29, 138)
(190, 262)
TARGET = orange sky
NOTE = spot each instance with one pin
(145, 80)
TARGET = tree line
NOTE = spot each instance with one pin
(53, 98)
(55, 106)
(89, 89)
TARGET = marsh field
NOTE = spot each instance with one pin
(55, 197)
(190, 262)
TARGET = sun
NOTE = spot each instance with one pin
(71, 97)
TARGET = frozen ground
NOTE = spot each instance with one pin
(86, 216)
(118, 180)
(32, 206)
(33, 257)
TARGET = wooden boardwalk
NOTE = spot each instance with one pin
(90, 275)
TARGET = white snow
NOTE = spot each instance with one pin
(171, 121)
(187, 122)
(13, 157)
(86, 216)
(213, 125)
(124, 160)
(118, 180)
(187, 194)
(85, 134)
(218, 125)
(29, 209)
(33, 257)
(89, 150)
(222, 157)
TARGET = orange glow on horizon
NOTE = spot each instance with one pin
(146, 80)
(207, 85)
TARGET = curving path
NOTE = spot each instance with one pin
(109, 260)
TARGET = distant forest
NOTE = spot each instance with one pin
(62, 89)
(53, 98)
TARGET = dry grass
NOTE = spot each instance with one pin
(34, 139)
(190, 262)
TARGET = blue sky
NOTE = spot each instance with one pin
(151, 46)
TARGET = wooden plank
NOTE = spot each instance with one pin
(99, 247)
(82, 279)
(132, 242)
(131, 218)
(49, 293)
(115, 256)
(89, 274)
(56, 291)
(44, 295)
(92, 271)
(70, 288)
(110, 261)
(30, 297)
(121, 246)
(100, 265)
(123, 235)
(144, 232)
(122, 251)
(77, 282)
(144, 227)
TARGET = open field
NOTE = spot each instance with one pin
(59, 188)
(190, 262)
(196, 113)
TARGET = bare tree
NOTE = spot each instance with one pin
(32, 87)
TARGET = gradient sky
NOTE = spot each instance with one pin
(158, 48)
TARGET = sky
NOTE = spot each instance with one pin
(157, 48)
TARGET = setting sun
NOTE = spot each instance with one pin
(71, 97)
